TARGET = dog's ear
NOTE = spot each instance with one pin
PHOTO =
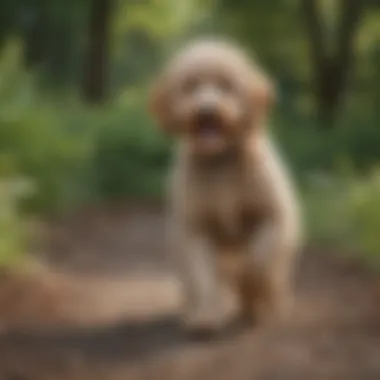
(263, 95)
(159, 103)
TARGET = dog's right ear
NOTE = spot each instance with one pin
(159, 103)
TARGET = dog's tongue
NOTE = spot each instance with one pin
(209, 137)
(209, 131)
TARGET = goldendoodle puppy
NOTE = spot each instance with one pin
(233, 211)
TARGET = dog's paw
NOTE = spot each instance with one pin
(269, 312)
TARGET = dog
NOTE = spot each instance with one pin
(233, 212)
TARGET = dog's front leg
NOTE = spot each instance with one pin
(200, 278)
(265, 285)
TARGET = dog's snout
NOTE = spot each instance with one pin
(206, 113)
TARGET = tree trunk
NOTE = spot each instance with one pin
(35, 38)
(331, 69)
(95, 75)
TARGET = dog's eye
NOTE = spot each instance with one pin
(189, 85)
(225, 85)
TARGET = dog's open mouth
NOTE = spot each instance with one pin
(209, 128)
(209, 134)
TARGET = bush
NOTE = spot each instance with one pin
(12, 221)
(73, 153)
(36, 136)
(310, 148)
(130, 156)
(346, 209)
(363, 203)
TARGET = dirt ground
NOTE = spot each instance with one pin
(120, 317)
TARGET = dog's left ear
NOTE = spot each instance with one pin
(159, 103)
(263, 95)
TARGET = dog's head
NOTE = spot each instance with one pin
(212, 95)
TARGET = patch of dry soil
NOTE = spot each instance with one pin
(118, 315)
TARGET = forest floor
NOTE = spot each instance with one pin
(116, 318)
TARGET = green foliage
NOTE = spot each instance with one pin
(74, 153)
(324, 198)
(35, 134)
(346, 209)
(363, 203)
(12, 221)
(312, 148)
(130, 155)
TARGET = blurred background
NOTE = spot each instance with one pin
(75, 133)
(74, 77)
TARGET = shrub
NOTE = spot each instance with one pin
(346, 209)
(12, 221)
(130, 156)
(37, 136)
(363, 203)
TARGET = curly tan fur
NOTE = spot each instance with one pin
(233, 212)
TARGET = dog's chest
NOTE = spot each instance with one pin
(223, 206)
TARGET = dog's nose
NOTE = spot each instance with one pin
(206, 113)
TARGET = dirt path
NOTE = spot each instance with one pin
(126, 326)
